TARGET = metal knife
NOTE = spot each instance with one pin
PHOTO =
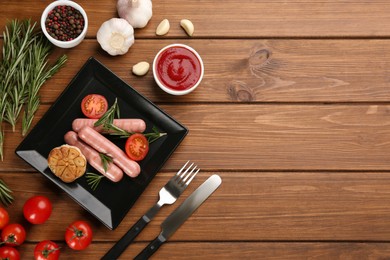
(181, 214)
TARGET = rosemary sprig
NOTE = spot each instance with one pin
(107, 122)
(106, 159)
(1, 143)
(37, 77)
(5, 194)
(154, 135)
(18, 37)
(93, 179)
(111, 129)
(23, 70)
(108, 117)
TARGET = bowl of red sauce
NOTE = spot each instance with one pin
(178, 69)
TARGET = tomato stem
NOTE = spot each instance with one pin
(10, 239)
(46, 252)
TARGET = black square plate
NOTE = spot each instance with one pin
(110, 202)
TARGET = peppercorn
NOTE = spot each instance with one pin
(64, 23)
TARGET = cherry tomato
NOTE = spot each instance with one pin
(37, 209)
(4, 217)
(13, 234)
(78, 235)
(94, 105)
(137, 147)
(46, 250)
(9, 253)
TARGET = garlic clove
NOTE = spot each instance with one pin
(141, 68)
(188, 26)
(163, 27)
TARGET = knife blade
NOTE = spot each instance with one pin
(181, 214)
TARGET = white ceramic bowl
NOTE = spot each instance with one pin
(64, 44)
(171, 90)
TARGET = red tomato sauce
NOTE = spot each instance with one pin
(178, 68)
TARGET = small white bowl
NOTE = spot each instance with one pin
(64, 44)
(171, 90)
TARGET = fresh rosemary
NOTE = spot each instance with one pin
(24, 69)
(18, 37)
(109, 116)
(107, 122)
(93, 179)
(106, 160)
(5, 194)
(38, 75)
(154, 135)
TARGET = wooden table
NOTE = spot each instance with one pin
(293, 113)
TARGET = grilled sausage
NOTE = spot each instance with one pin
(113, 173)
(103, 145)
(131, 124)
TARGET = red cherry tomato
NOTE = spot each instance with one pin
(78, 235)
(94, 105)
(37, 209)
(46, 250)
(9, 253)
(137, 147)
(4, 218)
(13, 234)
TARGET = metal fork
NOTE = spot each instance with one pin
(167, 195)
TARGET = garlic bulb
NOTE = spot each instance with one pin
(136, 12)
(115, 36)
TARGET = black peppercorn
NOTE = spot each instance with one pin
(64, 23)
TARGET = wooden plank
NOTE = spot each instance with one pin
(253, 70)
(270, 137)
(249, 206)
(241, 250)
(245, 18)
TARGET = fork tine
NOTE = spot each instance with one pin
(181, 176)
(189, 174)
(193, 176)
(182, 168)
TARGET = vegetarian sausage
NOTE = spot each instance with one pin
(133, 125)
(103, 145)
(113, 173)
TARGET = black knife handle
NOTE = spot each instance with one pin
(151, 248)
(126, 240)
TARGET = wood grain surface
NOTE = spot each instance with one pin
(292, 113)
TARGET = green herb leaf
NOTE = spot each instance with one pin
(5, 194)
(93, 179)
(108, 117)
(106, 159)
(107, 122)
(154, 135)
(24, 69)
(1, 143)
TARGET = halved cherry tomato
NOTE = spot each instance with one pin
(78, 235)
(13, 235)
(37, 209)
(94, 106)
(4, 217)
(46, 250)
(9, 253)
(137, 147)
